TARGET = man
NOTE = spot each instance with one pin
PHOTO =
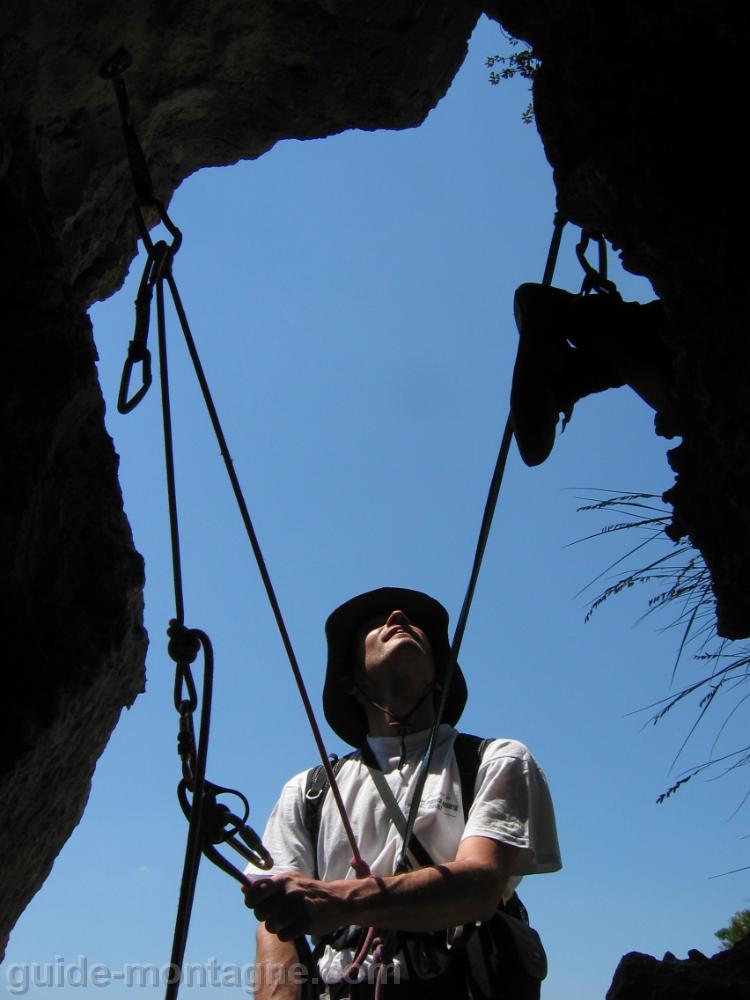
(388, 651)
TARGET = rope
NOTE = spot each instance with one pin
(402, 863)
(192, 859)
(357, 861)
(158, 270)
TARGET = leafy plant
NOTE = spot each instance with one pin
(739, 928)
(522, 63)
(683, 587)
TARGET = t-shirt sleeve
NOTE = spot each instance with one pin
(512, 804)
(285, 836)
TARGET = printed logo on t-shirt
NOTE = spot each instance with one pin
(441, 803)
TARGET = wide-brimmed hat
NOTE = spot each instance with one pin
(345, 715)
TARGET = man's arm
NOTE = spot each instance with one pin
(277, 967)
(445, 895)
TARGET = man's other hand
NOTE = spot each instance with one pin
(290, 904)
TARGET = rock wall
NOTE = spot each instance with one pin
(725, 976)
(637, 107)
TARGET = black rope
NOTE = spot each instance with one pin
(358, 863)
(158, 270)
(193, 846)
(166, 414)
(210, 822)
(402, 863)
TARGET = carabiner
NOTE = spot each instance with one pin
(137, 354)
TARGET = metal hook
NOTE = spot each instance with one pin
(138, 352)
(135, 356)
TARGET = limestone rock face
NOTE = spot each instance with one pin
(724, 976)
(636, 104)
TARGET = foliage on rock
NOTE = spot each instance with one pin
(682, 582)
(522, 63)
(738, 929)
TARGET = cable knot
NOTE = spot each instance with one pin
(184, 643)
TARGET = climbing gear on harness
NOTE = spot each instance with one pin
(468, 751)
(499, 958)
(210, 822)
(344, 715)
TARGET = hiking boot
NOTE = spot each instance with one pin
(555, 366)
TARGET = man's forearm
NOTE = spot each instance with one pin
(278, 971)
(428, 899)
(446, 895)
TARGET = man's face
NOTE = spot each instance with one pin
(393, 651)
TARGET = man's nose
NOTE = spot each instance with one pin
(397, 618)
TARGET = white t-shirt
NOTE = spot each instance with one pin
(511, 804)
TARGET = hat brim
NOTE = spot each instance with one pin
(345, 715)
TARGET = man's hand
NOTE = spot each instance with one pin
(291, 905)
(428, 899)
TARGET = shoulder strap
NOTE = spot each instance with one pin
(316, 787)
(469, 751)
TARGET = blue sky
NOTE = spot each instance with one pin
(352, 301)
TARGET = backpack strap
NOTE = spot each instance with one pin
(316, 786)
(469, 751)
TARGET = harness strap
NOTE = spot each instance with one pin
(469, 751)
(316, 787)
(393, 809)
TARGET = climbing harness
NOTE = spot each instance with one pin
(499, 957)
